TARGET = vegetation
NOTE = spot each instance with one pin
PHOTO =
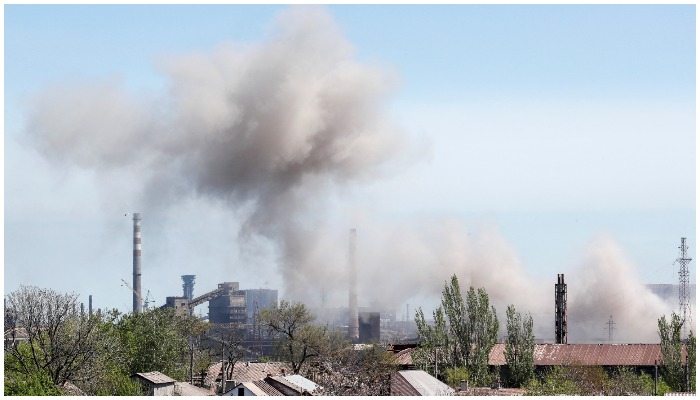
(463, 339)
(62, 344)
(690, 348)
(519, 348)
(673, 368)
(578, 380)
(299, 339)
(96, 353)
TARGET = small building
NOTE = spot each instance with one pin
(155, 383)
(243, 371)
(290, 385)
(418, 383)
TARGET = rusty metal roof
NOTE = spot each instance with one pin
(246, 371)
(587, 354)
(405, 357)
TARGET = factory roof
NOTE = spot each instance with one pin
(587, 354)
(418, 383)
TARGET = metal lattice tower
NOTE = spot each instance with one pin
(683, 283)
(610, 327)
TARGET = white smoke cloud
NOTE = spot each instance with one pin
(606, 284)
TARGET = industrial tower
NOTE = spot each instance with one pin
(137, 263)
(188, 286)
(683, 283)
(353, 323)
(560, 329)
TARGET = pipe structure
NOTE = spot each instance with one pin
(353, 324)
(137, 263)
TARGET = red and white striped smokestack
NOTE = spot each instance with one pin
(353, 324)
(137, 263)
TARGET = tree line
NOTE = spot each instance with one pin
(50, 343)
(98, 353)
(456, 346)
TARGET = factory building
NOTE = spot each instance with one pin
(369, 327)
(229, 305)
(257, 299)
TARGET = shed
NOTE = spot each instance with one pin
(155, 383)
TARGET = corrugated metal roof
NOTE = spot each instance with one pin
(587, 354)
(401, 387)
(301, 382)
(263, 387)
(425, 384)
(155, 377)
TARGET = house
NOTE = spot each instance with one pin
(155, 383)
(243, 372)
(418, 383)
(290, 385)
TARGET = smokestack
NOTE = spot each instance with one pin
(90, 305)
(560, 329)
(137, 263)
(353, 324)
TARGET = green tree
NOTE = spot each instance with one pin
(465, 337)
(433, 350)
(358, 371)
(672, 368)
(154, 340)
(21, 382)
(555, 382)
(690, 349)
(62, 343)
(519, 348)
(299, 340)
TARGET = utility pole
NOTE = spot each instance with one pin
(683, 282)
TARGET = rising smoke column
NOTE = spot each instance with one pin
(605, 284)
(270, 127)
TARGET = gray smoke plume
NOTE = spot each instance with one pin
(270, 127)
(274, 130)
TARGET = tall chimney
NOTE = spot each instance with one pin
(90, 305)
(353, 324)
(560, 330)
(137, 263)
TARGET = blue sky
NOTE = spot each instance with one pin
(553, 124)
